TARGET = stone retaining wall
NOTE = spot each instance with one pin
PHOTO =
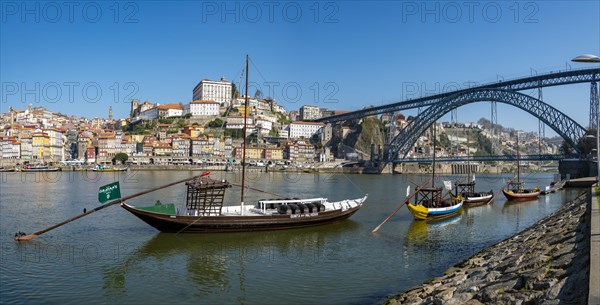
(547, 263)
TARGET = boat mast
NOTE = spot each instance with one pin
(468, 162)
(433, 163)
(518, 161)
(244, 140)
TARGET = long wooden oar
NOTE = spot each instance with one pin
(403, 203)
(30, 236)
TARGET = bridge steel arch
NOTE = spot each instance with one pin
(539, 81)
(564, 126)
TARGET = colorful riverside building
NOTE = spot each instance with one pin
(161, 149)
(10, 148)
(299, 150)
(109, 145)
(251, 152)
(56, 144)
(40, 145)
(26, 147)
(273, 153)
(180, 144)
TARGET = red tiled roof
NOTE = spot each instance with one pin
(308, 123)
(170, 106)
(204, 102)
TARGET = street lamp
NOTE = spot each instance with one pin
(590, 58)
(587, 58)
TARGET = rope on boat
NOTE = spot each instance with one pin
(356, 186)
(258, 190)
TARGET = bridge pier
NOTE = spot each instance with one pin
(575, 168)
(463, 169)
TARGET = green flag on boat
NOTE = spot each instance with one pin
(109, 192)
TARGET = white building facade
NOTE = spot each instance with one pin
(149, 114)
(218, 91)
(308, 112)
(264, 126)
(237, 122)
(306, 130)
(204, 108)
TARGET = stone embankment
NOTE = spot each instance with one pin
(548, 263)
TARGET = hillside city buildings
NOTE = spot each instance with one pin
(209, 127)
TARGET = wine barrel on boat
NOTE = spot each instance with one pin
(294, 208)
(302, 208)
(284, 209)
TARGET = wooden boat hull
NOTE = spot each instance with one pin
(110, 170)
(36, 170)
(421, 212)
(225, 223)
(521, 196)
(473, 201)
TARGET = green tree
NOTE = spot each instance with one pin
(120, 157)
(234, 91)
(234, 133)
(566, 149)
(283, 119)
(443, 141)
(166, 120)
(273, 132)
(216, 123)
(587, 143)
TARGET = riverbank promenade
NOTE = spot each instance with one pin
(551, 262)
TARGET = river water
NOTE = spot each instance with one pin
(113, 257)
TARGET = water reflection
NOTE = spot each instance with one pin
(213, 264)
(515, 209)
(427, 243)
(473, 213)
(113, 257)
(419, 231)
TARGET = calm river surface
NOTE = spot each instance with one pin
(113, 257)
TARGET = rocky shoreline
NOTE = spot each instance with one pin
(547, 263)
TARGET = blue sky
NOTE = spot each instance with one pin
(341, 55)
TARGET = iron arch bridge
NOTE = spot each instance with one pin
(539, 81)
(564, 126)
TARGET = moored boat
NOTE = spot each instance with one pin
(515, 191)
(38, 168)
(470, 197)
(102, 168)
(204, 211)
(429, 205)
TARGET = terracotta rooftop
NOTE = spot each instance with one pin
(308, 123)
(170, 106)
(204, 102)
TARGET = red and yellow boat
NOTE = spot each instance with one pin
(515, 190)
